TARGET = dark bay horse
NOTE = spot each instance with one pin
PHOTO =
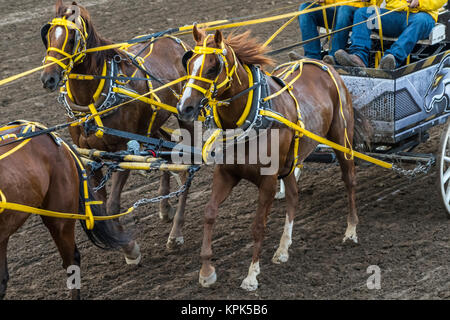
(43, 174)
(160, 57)
(319, 105)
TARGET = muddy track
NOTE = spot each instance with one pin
(402, 227)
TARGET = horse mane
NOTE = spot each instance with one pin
(93, 61)
(248, 49)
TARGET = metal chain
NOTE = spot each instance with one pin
(107, 176)
(182, 189)
(419, 169)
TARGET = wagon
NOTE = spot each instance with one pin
(403, 104)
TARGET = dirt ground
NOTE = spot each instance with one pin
(402, 229)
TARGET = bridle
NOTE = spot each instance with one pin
(210, 94)
(78, 53)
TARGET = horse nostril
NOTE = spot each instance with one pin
(189, 110)
(50, 81)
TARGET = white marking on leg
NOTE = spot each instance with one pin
(251, 283)
(188, 91)
(282, 253)
(282, 194)
(350, 234)
(208, 281)
(297, 173)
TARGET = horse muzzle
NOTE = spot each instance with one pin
(51, 81)
(188, 113)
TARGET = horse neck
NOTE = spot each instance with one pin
(84, 90)
(229, 115)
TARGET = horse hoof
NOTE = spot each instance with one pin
(167, 214)
(173, 243)
(352, 237)
(208, 281)
(134, 257)
(249, 284)
(280, 257)
(280, 196)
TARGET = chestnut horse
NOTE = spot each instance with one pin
(44, 174)
(318, 100)
(162, 60)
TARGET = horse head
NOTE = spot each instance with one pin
(209, 73)
(65, 39)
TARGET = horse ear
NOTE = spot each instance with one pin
(197, 34)
(218, 37)
(59, 4)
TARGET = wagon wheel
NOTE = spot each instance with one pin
(444, 169)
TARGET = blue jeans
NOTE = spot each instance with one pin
(310, 21)
(395, 25)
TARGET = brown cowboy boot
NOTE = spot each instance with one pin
(294, 56)
(350, 60)
(329, 60)
(388, 62)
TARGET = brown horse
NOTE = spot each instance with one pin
(44, 174)
(319, 104)
(162, 60)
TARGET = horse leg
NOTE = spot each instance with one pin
(4, 275)
(267, 190)
(166, 211)
(282, 253)
(223, 183)
(63, 233)
(349, 177)
(282, 193)
(176, 238)
(119, 178)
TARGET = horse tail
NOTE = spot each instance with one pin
(363, 132)
(107, 234)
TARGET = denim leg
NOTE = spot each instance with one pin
(308, 26)
(344, 18)
(419, 28)
(361, 43)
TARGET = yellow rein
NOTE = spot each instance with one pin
(298, 127)
(88, 217)
(214, 25)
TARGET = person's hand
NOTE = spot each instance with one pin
(413, 3)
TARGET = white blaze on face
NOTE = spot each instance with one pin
(58, 33)
(197, 65)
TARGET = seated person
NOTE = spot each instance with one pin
(340, 16)
(412, 23)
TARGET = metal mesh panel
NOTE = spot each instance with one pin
(381, 108)
(405, 105)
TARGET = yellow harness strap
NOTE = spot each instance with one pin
(2, 201)
(79, 50)
(380, 29)
(20, 145)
